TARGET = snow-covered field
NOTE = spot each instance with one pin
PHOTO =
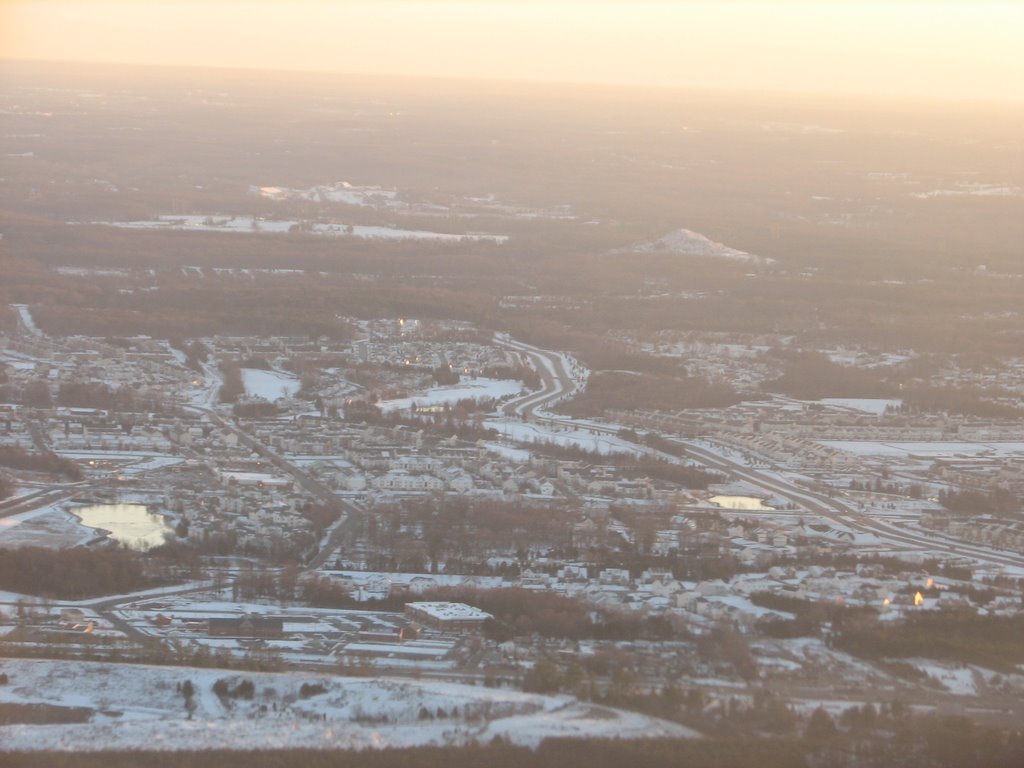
(690, 243)
(589, 440)
(142, 707)
(270, 385)
(974, 189)
(471, 389)
(929, 449)
(876, 406)
(339, 192)
(50, 526)
(252, 224)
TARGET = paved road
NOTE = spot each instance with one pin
(41, 498)
(557, 381)
(350, 511)
(845, 514)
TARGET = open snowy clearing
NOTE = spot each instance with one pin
(927, 449)
(588, 440)
(254, 225)
(142, 707)
(876, 406)
(690, 243)
(472, 389)
(270, 385)
(51, 526)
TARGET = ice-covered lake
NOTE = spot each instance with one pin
(130, 524)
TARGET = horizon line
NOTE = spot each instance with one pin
(862, 97)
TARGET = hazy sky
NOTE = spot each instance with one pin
(928, 48)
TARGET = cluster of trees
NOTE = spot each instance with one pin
(15, 457)
(925, 742)
(255, 409)
(227, 688)
(444, 376)
(631, 390)
(995, 501)
(963, 636)
(529, 377)
(809, 614)
(196, 353)
(82, 394)
(969, 401)
(321, 516)
(34, 394)
(233, 387)
(520, 612)
(811, 375)
(73, 574)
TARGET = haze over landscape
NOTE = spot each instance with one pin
(931, 49)
(460, 383)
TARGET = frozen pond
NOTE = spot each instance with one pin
(130, 524)
(270, 385)
(740, 502)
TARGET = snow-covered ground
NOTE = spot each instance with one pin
(876, 406)
(974, 189)
(930, 449)
(471, 389)
(339, 192)
(51, 526)
(142, 707)
(956, 678)
(26, 318)
(134, 462)
(590, 440)
(515, 455)
(252, 224)
(270, 385)
(690, 243)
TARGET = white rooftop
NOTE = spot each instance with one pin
(451, 611)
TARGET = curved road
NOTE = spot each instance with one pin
(557, 382)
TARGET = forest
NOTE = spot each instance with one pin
(921, 742)
(73, 574)
(13, 457)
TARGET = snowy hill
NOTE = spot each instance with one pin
(690, 243)
(129, 706)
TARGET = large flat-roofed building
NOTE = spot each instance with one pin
(248, 626)
(447, 617)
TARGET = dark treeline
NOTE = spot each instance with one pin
(632, 466)
(19, 458)
(519, 612)
(72, 574)
(922, 742)
(195, 352)
(811, 375)
(963, 400)
(970, 502)
(233, 387)
(629, 390)
(81, 394)
(990, 641)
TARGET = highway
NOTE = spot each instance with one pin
(557, 382)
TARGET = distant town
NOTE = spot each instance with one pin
(394, 509)
(388, 424)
